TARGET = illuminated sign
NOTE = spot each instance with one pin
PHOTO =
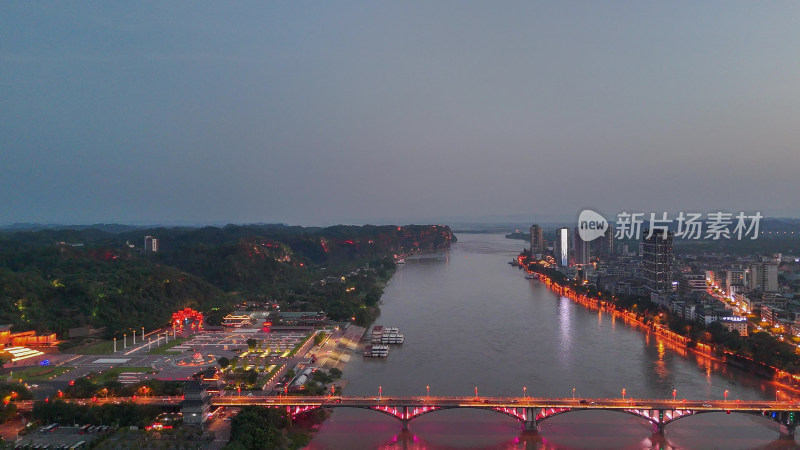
(734, 319)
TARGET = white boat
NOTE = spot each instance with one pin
(393, 338)
(387, 335)
(376, 351)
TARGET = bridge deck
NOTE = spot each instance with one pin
(510, 402)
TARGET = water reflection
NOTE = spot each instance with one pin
(470, 319)
(565, 327)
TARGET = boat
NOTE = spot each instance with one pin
(387, 335)
(531, 276)
(393, 338)
(376, 351)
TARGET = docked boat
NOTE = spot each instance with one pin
(376, 351)
(387, 335)
(393, 338)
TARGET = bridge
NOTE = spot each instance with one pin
(530, 411)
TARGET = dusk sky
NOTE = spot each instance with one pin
(316, 113)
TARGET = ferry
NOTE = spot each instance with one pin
(393, 338)
(376, 351)
(387, 335)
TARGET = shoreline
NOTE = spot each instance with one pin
(677, 341)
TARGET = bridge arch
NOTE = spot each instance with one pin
(750, 413)
(531, 417)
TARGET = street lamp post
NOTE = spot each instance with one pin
(524, 391)
(428, 390)
(124, 341)
(115, 345)
(380, 392)
(476, 391)
(623, 393)
(573, 393)
(777, 393)
(133, 333)
(725, 394)
(142, 334)
(674, 393)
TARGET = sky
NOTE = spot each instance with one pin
(317, 113)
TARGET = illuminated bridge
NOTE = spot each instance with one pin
(532, 411)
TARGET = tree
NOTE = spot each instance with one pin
(224, 362)
(258, 428)
(251, 344)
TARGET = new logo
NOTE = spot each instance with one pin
(591, 225)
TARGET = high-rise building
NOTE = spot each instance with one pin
(764, 277)
(603, 246)
(150, 244)
(580, 248)
(735, 279)
(537, 239)
(657, 260)
(691, 283)
(561, 247)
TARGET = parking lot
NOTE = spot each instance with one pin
(61, 437)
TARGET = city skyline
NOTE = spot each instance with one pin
(360, 112)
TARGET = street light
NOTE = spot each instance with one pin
(428, 390)
(623, 393)
(776, 395)
(476, 391)
(573, 393)
(380, 392)
(524, 391)
(725, 394)
(674, 393)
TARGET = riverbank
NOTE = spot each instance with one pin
(679, 343)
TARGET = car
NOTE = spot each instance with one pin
(706, 405)
(583, 401)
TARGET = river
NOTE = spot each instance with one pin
(470, 319)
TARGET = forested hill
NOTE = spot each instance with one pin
(52, 280)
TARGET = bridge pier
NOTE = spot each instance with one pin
(660, 425)
(786, 431)
(404, 420)
(530, 424)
